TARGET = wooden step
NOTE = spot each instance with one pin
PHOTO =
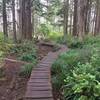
(39, 86)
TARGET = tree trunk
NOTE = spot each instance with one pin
(66, 10)
(33, 17)
(81, 18)
(97, 22)
(71, 19)
(25, 19)
(5, 20)
(28, 21)
(14, 21)
(75, 18)
(87, 15)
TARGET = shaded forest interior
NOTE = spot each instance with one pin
(30, 29)
(27, 19)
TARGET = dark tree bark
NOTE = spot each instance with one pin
(75, 18)
(71, 19)
(97, 22)
(25, 19)
(14, 21)
(81, 18)
(28, 17)
(4, 19)
(87, 15)
(66, 10)
(33, 17)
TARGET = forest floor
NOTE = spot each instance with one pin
(13, 86)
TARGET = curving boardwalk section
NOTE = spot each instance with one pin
(39, 86)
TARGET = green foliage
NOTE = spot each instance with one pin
(76, 44)
(8, 40)
(83, 83)
(92, 40)
(4, 49)
(69, 40)
(5, 46)
(25, 51)
(89, 41)
(44, 29)
(66, 62)
(55, 36)
(60, 68)
(78, 71)
(26, 70)
(27, 57)
(1, 37)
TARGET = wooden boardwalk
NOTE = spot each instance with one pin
(39, 86)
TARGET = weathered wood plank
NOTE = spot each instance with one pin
(39, 86)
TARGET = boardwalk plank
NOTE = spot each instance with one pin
(39, 94)
(39, 86)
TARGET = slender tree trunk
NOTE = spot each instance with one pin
(88, 16)
(33, 17)
(97, 22)
(20, 19)
(5, 20)
(75, 18)
(66, 10)
(81, 18)
(71, 19)
(14, 21)
(28, 17)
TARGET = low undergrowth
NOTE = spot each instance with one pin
(26, 70)
(27, 52)
(76, 73)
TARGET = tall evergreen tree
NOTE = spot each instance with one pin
(14, 21)
(4, 19)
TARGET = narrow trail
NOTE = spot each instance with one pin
(39, 86)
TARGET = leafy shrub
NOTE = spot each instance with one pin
(26, 70)
(70, 41)
(26, 46)
(77, 72)
(83, 83)
(92, 40)
(74, 42)
(25, 51)
(55, 36)
(60, 67)
(44, 29)
(61, 40)
(69, 59)
(28, 57)
(65, 63)
(4, 49)
(1, 37)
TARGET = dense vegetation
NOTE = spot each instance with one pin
(76, 73)
(24, 51)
